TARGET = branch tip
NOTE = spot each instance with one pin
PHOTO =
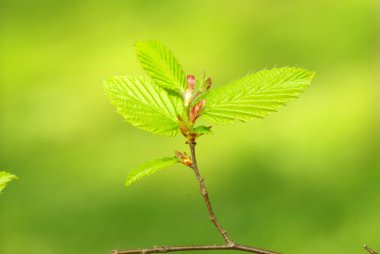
(369, 249)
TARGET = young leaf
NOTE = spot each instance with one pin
(256, 95)
(144, 104)
(149, 168)
(161, 65)
(202, 130)
(5, 178)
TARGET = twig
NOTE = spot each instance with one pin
(369, 249)
(230, 245)
(204, 194)
(164, 249)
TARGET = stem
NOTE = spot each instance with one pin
(369, 249)
(204, 194)
(164, 249)
(229, 245)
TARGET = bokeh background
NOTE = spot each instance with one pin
(304, 180)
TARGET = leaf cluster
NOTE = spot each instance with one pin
(168, 101)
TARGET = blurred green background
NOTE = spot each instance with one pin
(304, 180)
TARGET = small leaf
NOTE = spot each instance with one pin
(144, 104)
(201, 130)
(149, 168)
(161, 65)
(256, 95)
(5, 178)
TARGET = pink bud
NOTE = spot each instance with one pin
(189, 90)
(191, 81)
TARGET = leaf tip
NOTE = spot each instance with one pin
(5, 178)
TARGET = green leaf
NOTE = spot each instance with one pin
(161, 65)
(202, 130)
(144, 104)
(256, 95)
(149, 168)
(5, 178)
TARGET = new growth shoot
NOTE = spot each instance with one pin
(168, 102)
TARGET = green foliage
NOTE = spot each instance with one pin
(144, 104)
(169, 101)
(5, 178)
(149, 168)
(256, 95)
(155, 104)
(161, 65)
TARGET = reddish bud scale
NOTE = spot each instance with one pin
(208, 83)
(184, 158)
(195, 112)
